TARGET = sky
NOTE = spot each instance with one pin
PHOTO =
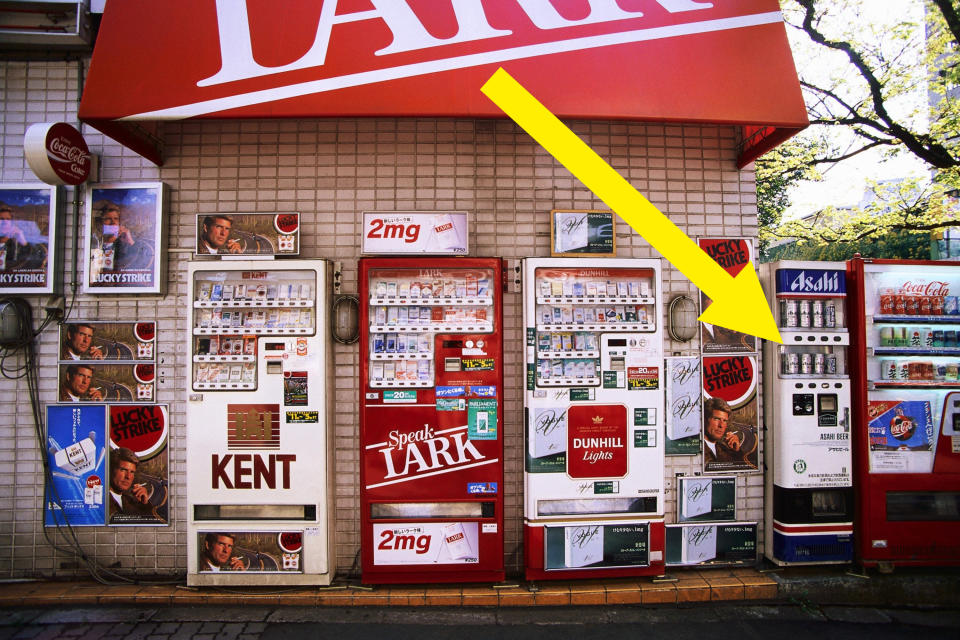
(845, 182)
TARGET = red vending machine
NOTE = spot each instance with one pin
(906, 323)
(431, 420)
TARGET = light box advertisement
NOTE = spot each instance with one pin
(425, 543)
(87, 340)
(683, 421)
(415, 233)
(76, 448)
(138, 491)
(711, 544)
(901, 436)
(593, 546)
(248, 234)
(27, 238)
(250, 551)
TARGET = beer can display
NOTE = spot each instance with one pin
(830, 314)
(819, 364)
(788, 313)
(816, 314)
(790, 364)
(804, 314)
(831, 364)
(806, 364)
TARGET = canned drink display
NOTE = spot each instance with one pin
(949, 338)
(951, 373)
(804, 314)
(830, 314)
(926, 334)
(937, 338)
(950, 305)
(788, 313)
(816, 314)
(791, 364)
(886, 337)
(936, 305)
(819, 364)
(899, 305)
(887, 302)
(831, 365)
(888, 369)
(940, 371)
(916, 338)
(806, 364)
(900, 337)
(924, 305)
(903, 370)
(912, 305)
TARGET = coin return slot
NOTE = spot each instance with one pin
(597, 505)
(451, 364)
(275, 367)
(406, 510)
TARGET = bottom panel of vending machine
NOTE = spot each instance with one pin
(581, 550)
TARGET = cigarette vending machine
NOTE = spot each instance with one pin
(907, 435)
(431, 396)
(259, 483)
(594, 486)
(808, 489)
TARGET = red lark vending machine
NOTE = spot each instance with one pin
(907, 437)
(431, 419)
(593, 480)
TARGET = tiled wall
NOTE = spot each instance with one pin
(331, 171)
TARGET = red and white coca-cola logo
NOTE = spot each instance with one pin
(933, 288)
(902, 427)
(57, 153)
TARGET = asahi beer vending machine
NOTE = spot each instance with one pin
(258, 431)
(809, 480)
(593, 480)
(907, 435)
(431, 420)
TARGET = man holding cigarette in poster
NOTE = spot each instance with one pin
(79, 343)
(215, 236)
(127, 498)
(75, 386)
(720, 444)
(218, 553)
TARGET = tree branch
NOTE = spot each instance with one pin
(951, 15)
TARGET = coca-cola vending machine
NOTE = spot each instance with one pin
(808, 490)
(906, 323)
(594, 485)
(259, 434)
(431, 418)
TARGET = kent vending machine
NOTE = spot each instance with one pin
(594, 487)
(258, 424)
(808, 489)
(907, 434)
(431, 420)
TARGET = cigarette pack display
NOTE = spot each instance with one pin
(227, 292)
(216, 292)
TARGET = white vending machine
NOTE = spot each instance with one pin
(259, 432)
(809, 480)
(593, 406)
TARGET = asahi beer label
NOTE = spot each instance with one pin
(597, 441)
(812, 282)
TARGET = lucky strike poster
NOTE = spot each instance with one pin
(138, 489)
(730, 414)
(76, 446)
(27, 219)
(733, 254)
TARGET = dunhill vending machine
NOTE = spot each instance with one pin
(907, 434)
(431, 420)
(259, 478)
(594, 487)
(808, 490)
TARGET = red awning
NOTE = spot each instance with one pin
(685, 61)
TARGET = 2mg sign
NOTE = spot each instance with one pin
(409, 232)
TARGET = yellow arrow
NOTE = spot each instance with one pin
(738, 303)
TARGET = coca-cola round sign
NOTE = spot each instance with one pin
(57, 153)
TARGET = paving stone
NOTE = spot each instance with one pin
(860, 615)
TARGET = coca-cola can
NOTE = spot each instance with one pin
(788, 313)
(887, 303)
(819, 364)
(925, 305)
(911, 305)
(804, 314)
(936, 305)
(831, 364)
(899, 305)
(791, 364)
(830, 314)
(806, 364)
(816, 314)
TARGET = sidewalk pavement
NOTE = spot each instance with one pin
(833, 585)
